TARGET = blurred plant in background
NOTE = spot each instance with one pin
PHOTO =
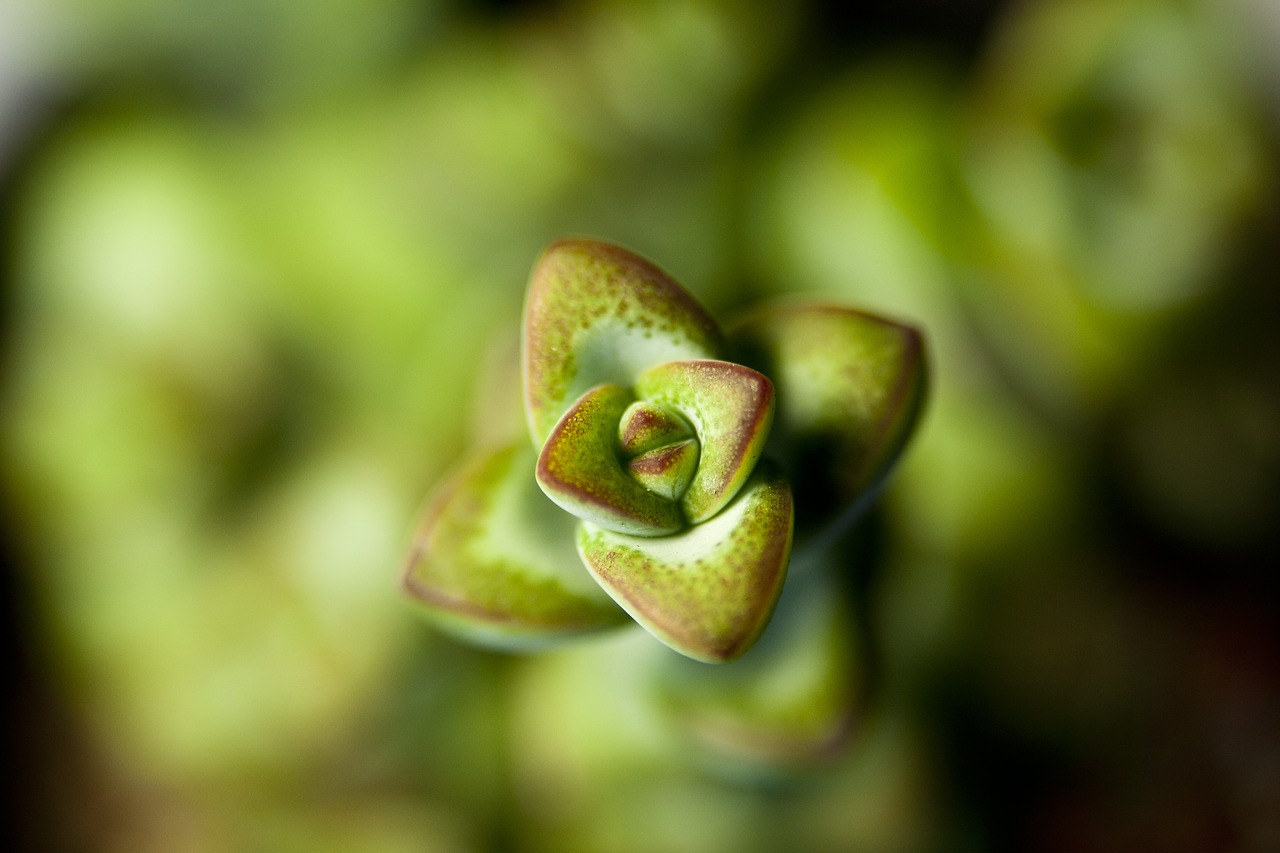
(258, 255)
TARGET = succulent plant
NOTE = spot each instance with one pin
(672, 466)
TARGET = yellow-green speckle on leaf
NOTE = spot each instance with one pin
(596, 313)
(646, 426)
(708, 591)
(581, 470)
(731, 409)
(666, 471)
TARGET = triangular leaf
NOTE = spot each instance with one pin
(788, 703)
(666, 471)
(596, 313)
(706, 592)
(580, 469)
(731, 409)
(850, 387)
(493, 560)
(646, 426)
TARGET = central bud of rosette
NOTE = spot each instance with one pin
(653, 442)
(670, 452)
(659, 447)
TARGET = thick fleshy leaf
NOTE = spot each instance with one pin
(850, 388)
(646, 426)
(493, 560)
(706, 592)
(666, 471)
(789, 703)
(731, 409)
(595, 314)
(580, 469)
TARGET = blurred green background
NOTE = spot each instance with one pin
(263, 265)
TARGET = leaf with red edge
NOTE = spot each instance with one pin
(493, 560)
(787, 705)
(595, 314)
(708, 591)
(850, 389)
(580, 469)
(731, 409)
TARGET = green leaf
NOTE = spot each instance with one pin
(850, 387)
(731, 409)
(596, 313)
(789, 703)
(581, 470)
(493, 560)
(646, 427)
(666, 471)
(708, 591)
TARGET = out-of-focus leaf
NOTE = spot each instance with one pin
(580, 470)
(494, 560)
(850, 387)
(788, 704)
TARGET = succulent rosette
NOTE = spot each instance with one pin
(672, 467)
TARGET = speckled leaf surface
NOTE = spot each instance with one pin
(708, 591)
(675, 465)
(849, 390)
(579, 468)
(493, 560)
(646, 426)
(595, 314)
(666, 471)
(731, 409)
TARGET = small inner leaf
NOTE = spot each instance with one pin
(646, 426)
(580, 469)
(493, 560)
(731, 408)
(706, 592)
(667, 470)
(596, 313)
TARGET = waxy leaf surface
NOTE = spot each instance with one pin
(493, 560)
(666, 471)
(849, 386)
(581, 470)
(708, 591)
(595, 314)
(646, 426)
(731, 409)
